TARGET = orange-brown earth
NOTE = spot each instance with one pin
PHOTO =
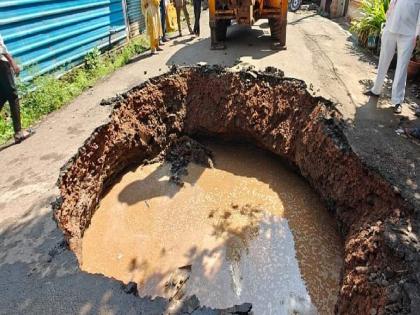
(381, 258)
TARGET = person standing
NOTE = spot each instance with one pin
(163, 19)
(8, 91)
(197, 13)
(150, 10)
(182, 5)
(401, 31)
(328, 7)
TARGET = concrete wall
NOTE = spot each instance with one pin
(353, 10)
(46, 35)
(337, 8)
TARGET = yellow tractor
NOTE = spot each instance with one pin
(247, 12)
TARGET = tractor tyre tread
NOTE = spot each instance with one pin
(275, 28)
(221, 30)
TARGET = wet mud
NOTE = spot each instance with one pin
(379, 229)
(249, 229)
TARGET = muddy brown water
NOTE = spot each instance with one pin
(248, 230)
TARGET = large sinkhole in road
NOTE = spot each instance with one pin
(291, 221)
(248, 229)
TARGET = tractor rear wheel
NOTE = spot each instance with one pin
(221, 30)
(278, 31)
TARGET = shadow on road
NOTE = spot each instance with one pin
(373, 135)
(6, 145)
(299, 20)
(243, 43)
(38, 275)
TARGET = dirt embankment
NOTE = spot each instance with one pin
(381, 259)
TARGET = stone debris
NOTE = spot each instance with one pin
(130, 288)
(183, 152)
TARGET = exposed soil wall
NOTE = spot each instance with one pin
(278, 114)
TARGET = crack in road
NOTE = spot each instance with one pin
(314, 46)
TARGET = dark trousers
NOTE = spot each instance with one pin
(8, 93)
(328, 6)
(163, 17)
(197, 13)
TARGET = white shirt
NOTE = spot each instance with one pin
(403, 17)
(3, 49)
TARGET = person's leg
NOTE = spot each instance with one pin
(4, 83)
(156, 38)
(151, 32)
(2, 101)
(159, 31)
(163, 19)
(15, 112)
(20, 135)
(328, 6)
(9, 93)
(405, 46)
(187, 16)
(178, 19)
(195, 16)
(154, 32)
(389, 44)
(152, 45)
(199, 16)
(197, 13)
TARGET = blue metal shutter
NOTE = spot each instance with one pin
(135, 17)
(47, 35)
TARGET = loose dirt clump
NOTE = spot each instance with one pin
(380, 230)
(182, 152)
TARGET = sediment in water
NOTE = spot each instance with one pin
(277, 114)
(249, 229)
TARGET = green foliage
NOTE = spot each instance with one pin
(373, 16)
(416, 52)
(92, 59)
(47, 93)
